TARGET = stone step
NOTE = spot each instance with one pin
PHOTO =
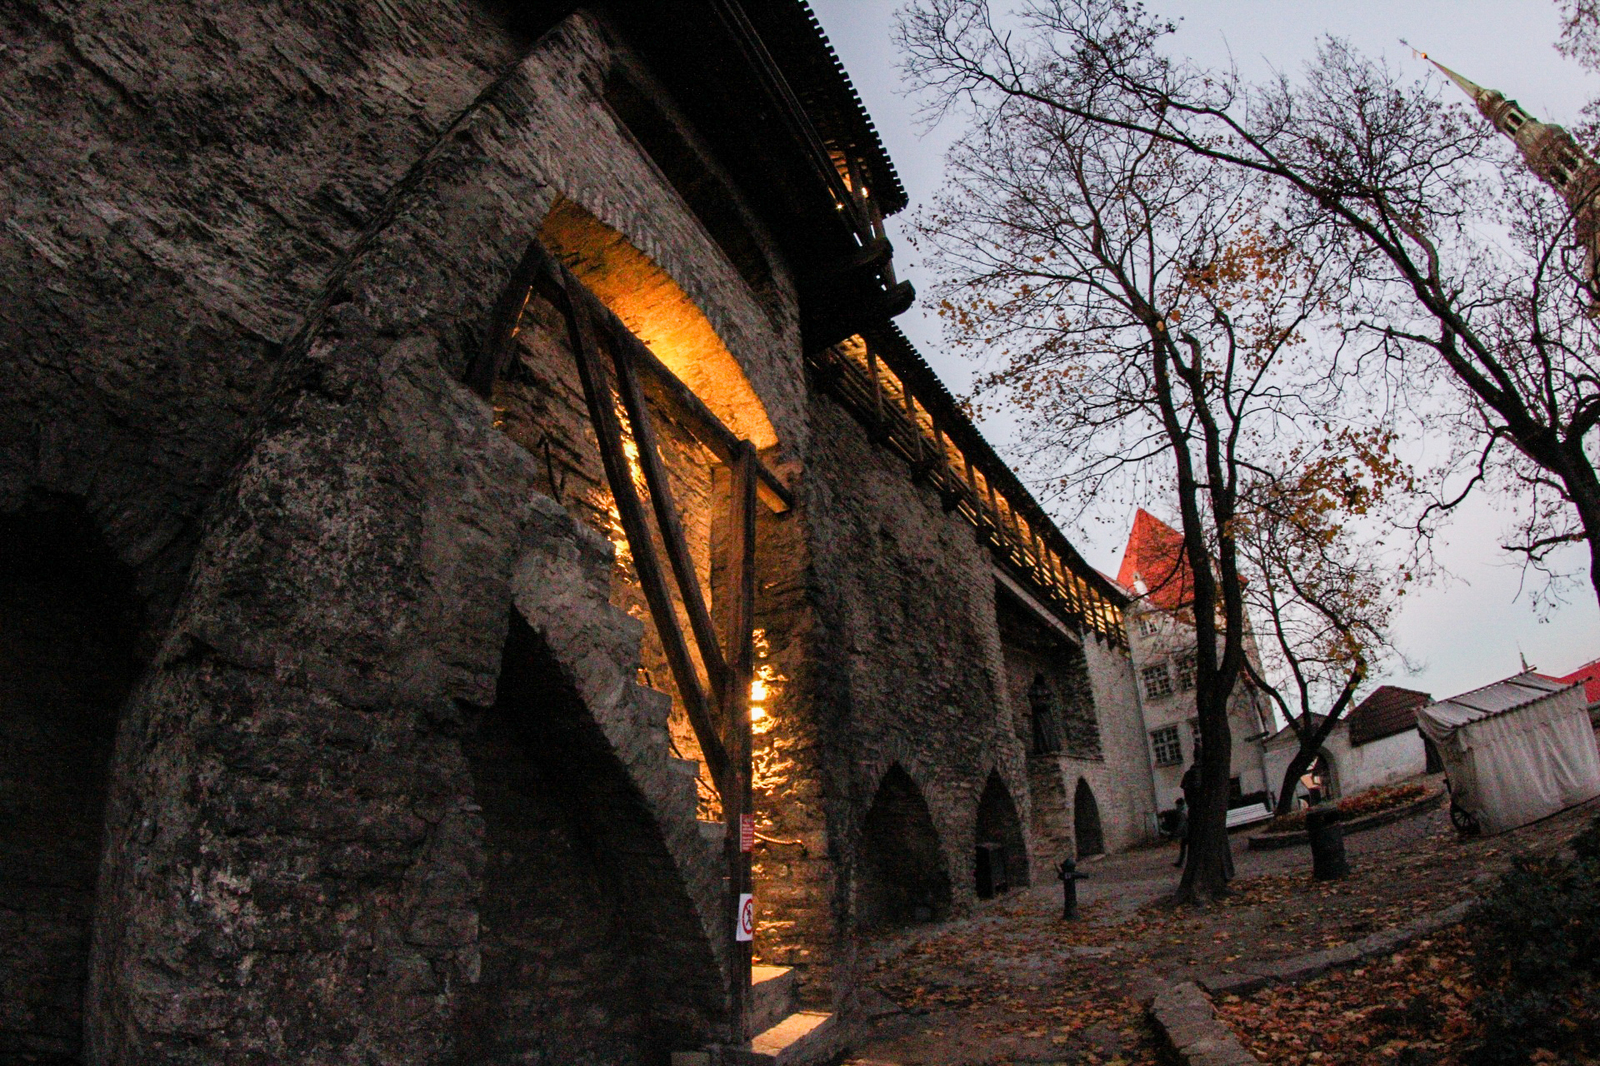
(657, 706)
(687, 770)
(804, 1038)
(772, 996)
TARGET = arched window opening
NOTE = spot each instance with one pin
(1002, 854)
(579, 902)
(903, 879)
(1086, 821)
(68, 623)
(1034, 651)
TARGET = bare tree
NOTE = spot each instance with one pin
(1446, 247)
(1148, 328)
(1321, 583)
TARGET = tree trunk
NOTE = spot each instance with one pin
(1303, 758)
(1583, 487)
(1210, 864)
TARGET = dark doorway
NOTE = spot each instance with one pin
(574, 880)
(1086, 821)
(68, 623)
(1002, 854)
(903, 877)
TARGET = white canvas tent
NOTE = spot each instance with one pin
(1516, 750)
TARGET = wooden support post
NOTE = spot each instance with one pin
(667, 519)
(738, 804)
(880, 426)
(949, 485)
(597, 392)
(996, 518)
(980, 514)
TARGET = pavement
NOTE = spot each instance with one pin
(1013, 983)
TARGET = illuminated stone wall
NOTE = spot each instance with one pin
(249, 255)
(905, 675)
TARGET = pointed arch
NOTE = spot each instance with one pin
(582, 917)
(69, 621)
(902, 875)
(657, 310)
(1001, 860)
(1086, 826)
(1326, 768)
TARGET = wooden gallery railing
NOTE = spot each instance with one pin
(854, 372)
(718, 709)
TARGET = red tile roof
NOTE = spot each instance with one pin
(1154, 556)
(1387, 710)
(1589, 674)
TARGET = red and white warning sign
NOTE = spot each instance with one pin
(747, 832)
(746, 928)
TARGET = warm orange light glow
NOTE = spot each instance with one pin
(757, 713)
(652, 305)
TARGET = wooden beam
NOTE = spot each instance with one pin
(738, 805)
(539, 270)
(666, 511)
(707, 428)
(597, 391)
(880, 429)
(504, 320)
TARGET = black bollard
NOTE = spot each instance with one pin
(1068, 872)
(1328, 862)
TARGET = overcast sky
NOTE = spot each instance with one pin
(1467, 631)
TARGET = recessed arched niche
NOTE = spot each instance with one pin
(902, 871)
(68, 624)
(656, 309)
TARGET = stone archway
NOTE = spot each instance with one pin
(1086, 821)
(68, 624)
(581, 918)
(1325, 771)
(1001, 860)
(903, 879)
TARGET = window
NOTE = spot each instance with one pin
(1194, 732)
(1164, 742)
(1157, 682)
(1149, 625)
(1186, 671)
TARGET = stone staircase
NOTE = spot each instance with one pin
(778, 1032)
(566, 576)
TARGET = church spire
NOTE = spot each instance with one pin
(1471, 88)
(1551, 153)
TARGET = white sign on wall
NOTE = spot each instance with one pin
(746, 928)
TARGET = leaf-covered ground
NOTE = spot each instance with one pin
(1013, 983)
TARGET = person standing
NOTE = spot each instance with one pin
(1180, 828)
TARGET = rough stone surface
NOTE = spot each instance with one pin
(1183, 1015)
(386, 671)
(1316, 963)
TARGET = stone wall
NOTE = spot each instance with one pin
(1103, 746)
(1121, 780)
(249, 256)
(900, 685)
